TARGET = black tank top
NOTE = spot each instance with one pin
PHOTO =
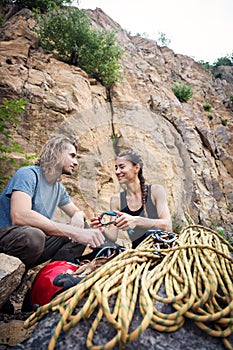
(137, 236)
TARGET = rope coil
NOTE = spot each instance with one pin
(196, 275)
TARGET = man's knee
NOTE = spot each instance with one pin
(24, 242)
(34, 240)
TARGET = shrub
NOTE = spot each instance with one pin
(217, 75)
(163, 39)
(223, 61)
(205, 65)
(41, 5)
(99, 56)
(210, 117)
(68, 32)
(10, 112)
(207, 107)
(224, 122)
(183, 92)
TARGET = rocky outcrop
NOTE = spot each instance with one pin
(11, 272)
(188, 337)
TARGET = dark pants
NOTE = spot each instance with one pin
(33, 247)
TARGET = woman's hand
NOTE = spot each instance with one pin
(125, 221)
(95, 222)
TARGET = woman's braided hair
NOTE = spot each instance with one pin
(135, 158)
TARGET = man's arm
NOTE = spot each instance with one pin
(77, 216)
(23, 215)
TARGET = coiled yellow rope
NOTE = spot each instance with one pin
(197, 275)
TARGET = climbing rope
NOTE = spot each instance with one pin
(196, 275)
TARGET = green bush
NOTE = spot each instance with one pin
(224, 122)
(205, 65)
(223, 61)
(183, 92)
(68, 32)
(207, 107)
(10, 112)
(163, 40)
(41, 5)
(99, 56)
(217, 75)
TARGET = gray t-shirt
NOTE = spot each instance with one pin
(45, 197)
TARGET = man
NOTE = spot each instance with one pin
(27, 206)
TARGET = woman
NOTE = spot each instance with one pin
(139, 207)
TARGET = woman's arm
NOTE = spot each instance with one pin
(159, 199)
(158, 196)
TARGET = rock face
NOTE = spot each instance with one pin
(182, 147)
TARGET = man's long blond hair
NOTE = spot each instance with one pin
(52, 152)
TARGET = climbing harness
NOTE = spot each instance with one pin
(195, 270)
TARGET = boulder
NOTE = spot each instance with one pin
(11, 272)
(189, 336)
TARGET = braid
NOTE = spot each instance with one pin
(135, 158)
(143, 189)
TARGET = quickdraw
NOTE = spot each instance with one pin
(161, 239)
(166, 238)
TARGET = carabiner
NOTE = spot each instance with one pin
(107, 213)
(158, 233)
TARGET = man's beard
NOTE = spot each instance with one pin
(66, 172)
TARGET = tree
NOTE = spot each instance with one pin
(223, 61)
(68, 32)
(41, 5)
(163, 40)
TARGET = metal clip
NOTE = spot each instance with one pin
(106, 216)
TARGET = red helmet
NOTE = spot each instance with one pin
(43, 289)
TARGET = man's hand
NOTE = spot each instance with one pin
(93, 237)
(78, 219)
